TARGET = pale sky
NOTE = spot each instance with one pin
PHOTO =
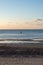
(21, 14)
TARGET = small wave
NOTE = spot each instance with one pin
(21, 40)
(18, 42)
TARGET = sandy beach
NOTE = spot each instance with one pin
(21, 53)
(33, 47)
(21, 61)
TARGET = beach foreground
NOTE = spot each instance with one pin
(33, 48)
(21, 53)
(21, 61)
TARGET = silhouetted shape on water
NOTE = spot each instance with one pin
(20, 32)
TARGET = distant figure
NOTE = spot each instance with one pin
(21, 32)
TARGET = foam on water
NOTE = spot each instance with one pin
(19, 42)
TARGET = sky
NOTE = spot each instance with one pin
(21, 14)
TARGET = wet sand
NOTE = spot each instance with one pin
(32, 49)
(34, 39)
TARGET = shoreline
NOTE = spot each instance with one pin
(21, 39)
(22, 47)
(35, 40)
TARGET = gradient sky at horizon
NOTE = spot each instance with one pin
(21, 13)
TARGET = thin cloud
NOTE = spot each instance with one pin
(37, 20)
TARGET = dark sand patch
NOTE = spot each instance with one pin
(21, 49)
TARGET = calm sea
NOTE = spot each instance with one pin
(28, 34)
(21, 34)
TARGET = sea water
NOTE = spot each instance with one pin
(21, 34)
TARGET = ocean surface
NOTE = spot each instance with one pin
(21, 34)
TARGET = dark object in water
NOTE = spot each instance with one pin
(21, 32)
